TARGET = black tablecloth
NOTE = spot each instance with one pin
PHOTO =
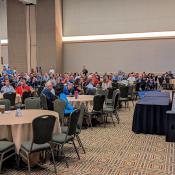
(150, 114)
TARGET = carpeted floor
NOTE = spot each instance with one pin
(116, 151)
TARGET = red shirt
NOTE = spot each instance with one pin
(21, 89)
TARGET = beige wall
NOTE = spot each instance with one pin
(17, 37)
(84, 17)
(145, 55)
(87, 17)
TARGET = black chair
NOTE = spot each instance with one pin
(7, 150)
(97, 110)
(11, 97)
(90, 91)
(43, 99)
(111, 110)
(79, 126)
(39, 90)
(124, 90)
(115, 85)
(63, 138)
(109, 94)
(25, 95)
(42, 135)
(46, 103)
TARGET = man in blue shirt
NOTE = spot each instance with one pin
(68, 89)
(47, 91)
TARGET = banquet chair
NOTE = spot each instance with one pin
(69, 136)
(42, 135)
(32, 103)
(5, 102)
(11, 97)
(109, 93)
(115, 85)
(39, 90)
(25, 95)
(124, 95)
(90, 91)
(79, 126)
(100, 91)
(7, 150)
(59, 108)
(131, 93)
(112, 109)
(43, 99)
(97, 110)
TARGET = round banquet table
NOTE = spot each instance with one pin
(86, 99)
(17, 100)
(19, 129)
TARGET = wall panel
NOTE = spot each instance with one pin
(143, 55)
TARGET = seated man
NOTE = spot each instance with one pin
(62, 96)
(23, 87)
(7, 88)
(68, 89)
(48, 92)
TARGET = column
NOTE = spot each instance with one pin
(49, 34)
(17, 37)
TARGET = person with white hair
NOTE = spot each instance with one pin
(48, 92)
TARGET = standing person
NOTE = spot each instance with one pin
(85, 71)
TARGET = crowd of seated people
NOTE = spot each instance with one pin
(83, 82)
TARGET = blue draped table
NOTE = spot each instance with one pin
(150, 113)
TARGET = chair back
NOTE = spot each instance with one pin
(132, 90)
(98, 102)
(59, 107)
(109, 93)
(115, 99)
(91, 91)
(25, 95)
(5, 102)
(80, 120)
(11, 97)
(124, 91)
(43, 128)
(39, 90)
(43, 99)
(115, 85)
(32, 103)
(100, 91)
(72, 126)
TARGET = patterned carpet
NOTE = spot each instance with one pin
(116, 151)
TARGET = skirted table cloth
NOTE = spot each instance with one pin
(150, 114)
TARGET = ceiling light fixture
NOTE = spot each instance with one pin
(120, 37)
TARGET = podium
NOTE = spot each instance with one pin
(170, 126)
